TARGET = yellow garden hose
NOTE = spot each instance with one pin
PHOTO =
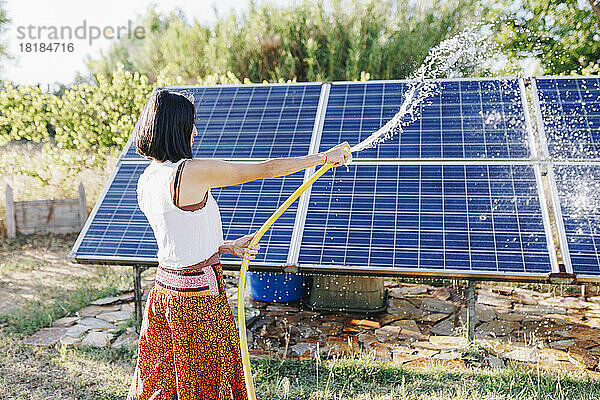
(244, 268)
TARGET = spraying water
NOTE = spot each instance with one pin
(468, 49)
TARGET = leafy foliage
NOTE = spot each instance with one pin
(24, 113)
(94, 116)
(306, 42)
(563, 35)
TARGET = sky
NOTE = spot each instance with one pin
(47, 68)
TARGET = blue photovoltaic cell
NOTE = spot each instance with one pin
(252, 121)
(570, 113)
(579, 195)
(463, 119)
(482, 218)
(120, 229)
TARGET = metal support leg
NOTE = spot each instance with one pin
(471, 311)
(137, 292)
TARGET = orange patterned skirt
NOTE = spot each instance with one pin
(189, 346)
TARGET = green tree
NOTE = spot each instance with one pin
(563, 35)
(305, 42)
(4, 20)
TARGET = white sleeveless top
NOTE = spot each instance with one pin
(184, 237)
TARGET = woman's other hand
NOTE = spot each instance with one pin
(241, 247)
(338, 155)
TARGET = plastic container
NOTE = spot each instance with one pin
(347, 293)
(274, 286)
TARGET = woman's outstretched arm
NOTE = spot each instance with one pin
(209, 173)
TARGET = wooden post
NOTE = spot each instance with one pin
(137, 292)
(82, 205)
(471, 311)
(11, 222)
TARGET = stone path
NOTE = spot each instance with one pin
(423, 325)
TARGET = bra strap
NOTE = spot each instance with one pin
(177, 184)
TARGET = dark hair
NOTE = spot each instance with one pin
(165, 128)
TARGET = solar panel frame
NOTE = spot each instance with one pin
(545, 143)
(471, 274)
(560, 220)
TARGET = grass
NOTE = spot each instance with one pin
(41, 284)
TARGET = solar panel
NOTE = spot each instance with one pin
(119, 231)
(456, 219)
(569, 112)
(578, 192)
(463, 119)
(251, 121)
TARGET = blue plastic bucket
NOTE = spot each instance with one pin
(274, 286)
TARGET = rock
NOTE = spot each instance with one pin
(130, 307)
(539, 309)
(524, 354)
(403, 308)
(427, 352)
(494, 362)
(76, 331)
(508, 315)
(403, 291)
(379, 350)
(96, 323)
(47, 336)
(448, 355)
(562, 344)
(523, 296)
(367, 338)
(438, 306)
(67, 340)
(97, 339)
(443, 328)
(339, 346)
(407, 325)
(364, 323)
(65, 322)
(402, 358)
(448, 341)
(441, 293)
(582, 357)
(388, 332)
(491, 299)
(553, 355)
(434, 317)
(126, 297)
(389, 318)
(115, 316)
(92, 311)
(128, 340)
(304, 349)
(496, 328)
(428, 345)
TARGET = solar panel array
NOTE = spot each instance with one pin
(457, 192)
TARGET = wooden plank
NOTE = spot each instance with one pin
(82, 206)
(11, 228)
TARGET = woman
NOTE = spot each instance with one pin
(189, 345)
